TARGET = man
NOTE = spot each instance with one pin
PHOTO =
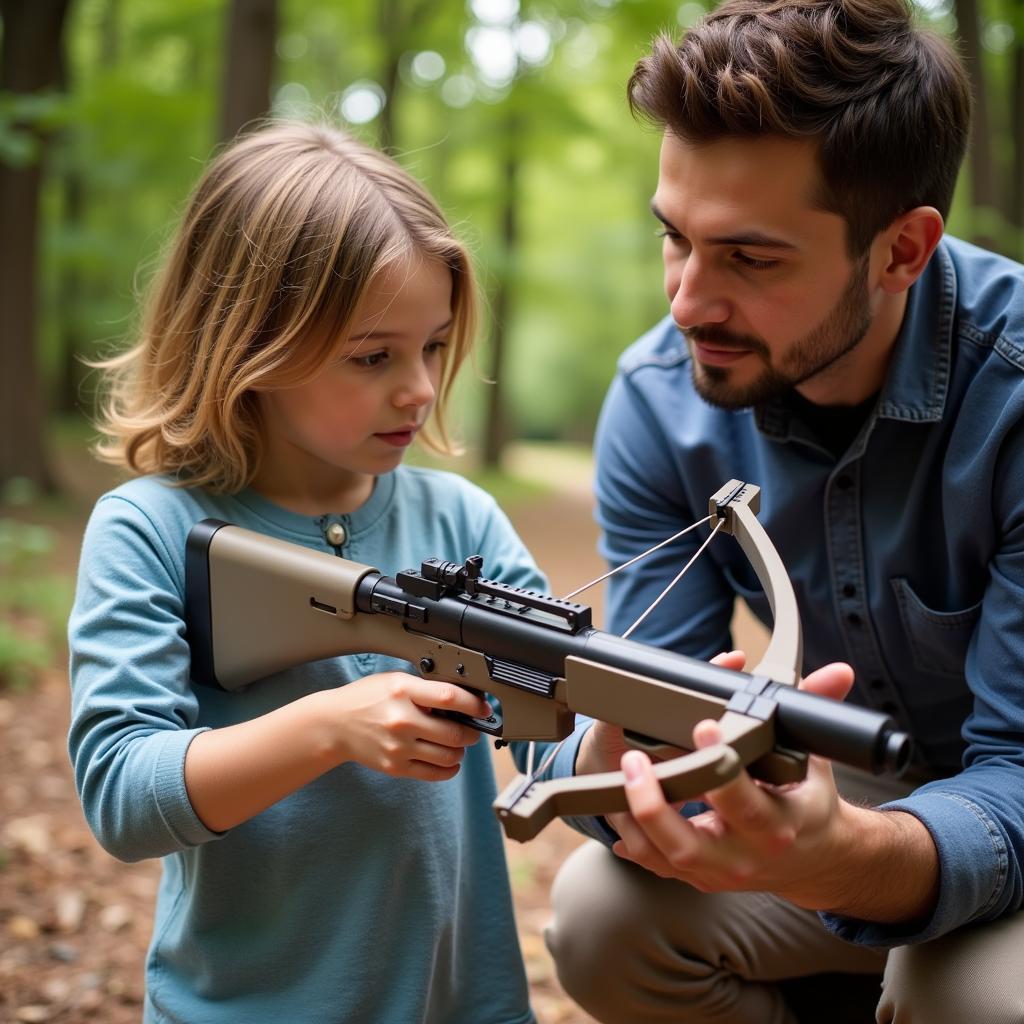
(828, 344)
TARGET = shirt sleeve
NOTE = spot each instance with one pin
(133, 711)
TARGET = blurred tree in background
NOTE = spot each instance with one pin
(511, 111)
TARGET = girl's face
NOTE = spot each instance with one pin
(327, 439)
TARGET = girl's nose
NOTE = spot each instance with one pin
(416, 389)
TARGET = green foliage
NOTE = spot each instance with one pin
(34, 605)
(24, 118)
(583, 277)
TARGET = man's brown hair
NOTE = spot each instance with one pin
(888, 102)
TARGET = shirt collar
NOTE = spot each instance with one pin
(357, 522)
(917, 381)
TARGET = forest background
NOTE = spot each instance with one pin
(513, 113)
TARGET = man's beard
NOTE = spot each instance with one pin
(839, 333)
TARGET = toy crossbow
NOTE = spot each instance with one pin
(256, 605)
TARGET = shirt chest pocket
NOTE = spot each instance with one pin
(938, 640)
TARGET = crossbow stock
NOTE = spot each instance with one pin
(256, 605)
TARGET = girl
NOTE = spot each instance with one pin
(328, 847)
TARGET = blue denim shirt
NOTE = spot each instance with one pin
(906, 552)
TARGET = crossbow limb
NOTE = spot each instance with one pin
(746, 719)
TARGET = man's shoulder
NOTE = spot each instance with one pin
(663, 346)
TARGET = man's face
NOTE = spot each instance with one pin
(758, 277)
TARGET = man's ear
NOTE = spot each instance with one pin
(906, 245)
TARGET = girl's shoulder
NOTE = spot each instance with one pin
(147, 519)
(443, 488)
(157, 500)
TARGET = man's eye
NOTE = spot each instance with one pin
(672, 236)
(754, 264)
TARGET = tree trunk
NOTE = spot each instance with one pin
(496, 422)
(389, 31)
(1017, 128)
(70, 295)
(983, 174)
(29, 63)
(249, 64)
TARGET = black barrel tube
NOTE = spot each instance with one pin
(848, 733)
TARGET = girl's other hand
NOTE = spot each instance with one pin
(384, 722)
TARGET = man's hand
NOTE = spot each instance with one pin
(755, 836)
(801, 842)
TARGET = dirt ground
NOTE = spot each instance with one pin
(75, 923)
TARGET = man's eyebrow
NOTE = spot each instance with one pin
(756, 239)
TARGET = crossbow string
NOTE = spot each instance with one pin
(527, 805)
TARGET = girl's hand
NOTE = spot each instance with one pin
(384, 722)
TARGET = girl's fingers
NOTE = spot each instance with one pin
(431, 772)
(429, 693)
(437, 754)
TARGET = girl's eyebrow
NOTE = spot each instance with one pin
(378, 335)
(756, 239)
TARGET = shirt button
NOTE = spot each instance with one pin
(889, 708)
(849, 590)
(853, 619)
(336, 535)
(877, 684)
(844, 483)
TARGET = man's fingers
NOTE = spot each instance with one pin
(833, 681)
(656, 821)
(730, 659)
(743, 806)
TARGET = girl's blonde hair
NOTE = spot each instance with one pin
(283, 234)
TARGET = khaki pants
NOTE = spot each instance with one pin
(632, 948)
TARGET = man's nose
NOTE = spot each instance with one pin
(695, 293)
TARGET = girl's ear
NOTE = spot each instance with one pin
(907, 245)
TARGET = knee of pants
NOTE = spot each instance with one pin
(605, 914)
(968, 975)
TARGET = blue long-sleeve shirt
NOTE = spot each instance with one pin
(906, 553)
(358, 898)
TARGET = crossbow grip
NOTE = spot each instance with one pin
(525, 806)
(523, 816)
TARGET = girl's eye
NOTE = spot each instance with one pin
(435, 347)
(369, 361)
(754, 264)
